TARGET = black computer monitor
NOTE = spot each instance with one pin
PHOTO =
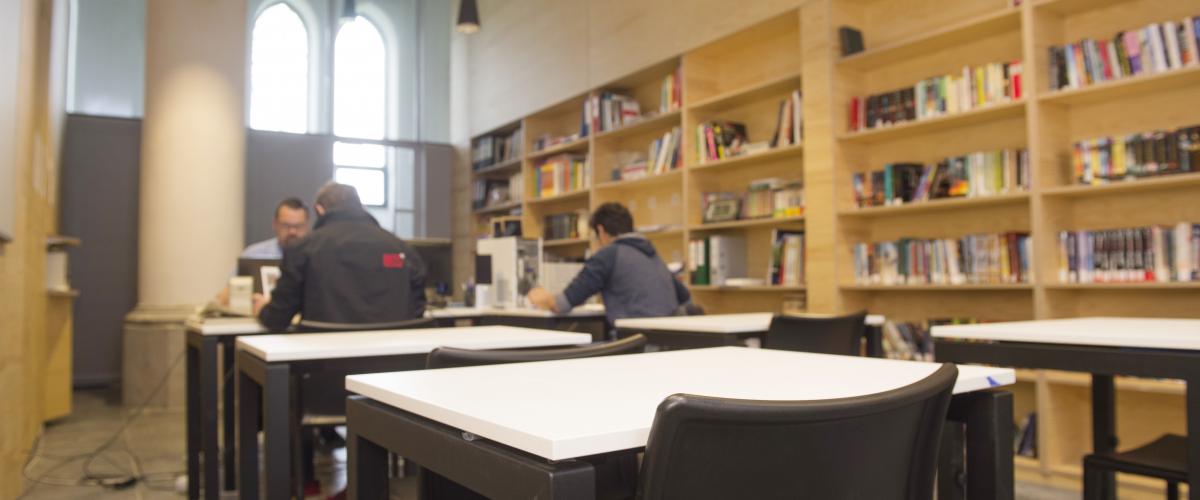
(253, 268)
(438, 263)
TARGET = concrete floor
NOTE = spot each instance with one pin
(153, 447)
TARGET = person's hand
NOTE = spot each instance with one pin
(260, 301)
(541, 299)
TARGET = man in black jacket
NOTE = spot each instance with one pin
(348, 270)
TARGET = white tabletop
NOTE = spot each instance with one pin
(585, 311)
(225, 326)
(1146, 333)
(557, 410)
(719, 323)
(293, 347)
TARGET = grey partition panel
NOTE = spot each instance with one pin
(279, 165)
(101, 161)
(439, 166)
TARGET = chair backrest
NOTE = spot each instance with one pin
(450, 357)
(880, 446)
(831, 335)
(325, 326)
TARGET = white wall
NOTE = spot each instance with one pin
(107, 58)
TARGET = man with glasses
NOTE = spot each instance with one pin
(290, 225)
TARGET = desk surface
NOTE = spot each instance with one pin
(1145, 333)
(557, 410)
(718, 323)
(337, 345)
(226, 326)
(585, 311)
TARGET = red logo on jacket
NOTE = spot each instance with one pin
(393, 261)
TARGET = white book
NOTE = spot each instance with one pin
(1113, 60)
(797, 117)
(1157, 50)
(1170, 34)
(1183, 254)
(793, 263)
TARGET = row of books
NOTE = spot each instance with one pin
(1160, 152)
(571, 225)
(496, 148)
(670, 98)
(786, 266)
(773, 197)
(789, 128)
(1155, 48)
(718, 140)
(985, 173)
(561, 174)
(940, 95)
(911, 340)
(1139, 254)
(548, 141)
(662, 156)
(491, 192)
(973, 259)
(608, 111)
(716, 259)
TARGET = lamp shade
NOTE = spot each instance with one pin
(468, 17)
(349, 10)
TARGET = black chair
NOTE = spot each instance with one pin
(829, 335)
(307, 326)
(616, 476)
(881, 446)
(450, 357)
(1164, 458)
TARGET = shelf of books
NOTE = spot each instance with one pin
(496, 158)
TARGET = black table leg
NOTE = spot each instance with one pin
(987, 417)
(193, 421)
(1193, 436)
(952, 468)
(277, 431)
(227, 455)
(1104, 429)
(249, 395)
(367, 467)
(208, 418)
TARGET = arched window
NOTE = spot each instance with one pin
(359, 81)
(279, 71)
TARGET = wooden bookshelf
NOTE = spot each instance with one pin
(506, 167)
(497, 208)
(565, 242)
(743, 75)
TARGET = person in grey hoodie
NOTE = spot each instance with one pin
(627, 272)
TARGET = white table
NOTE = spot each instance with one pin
(588, 318)
(554, 412)
(269, 367)
(1104, 347)
(684, 332)
(205, 338)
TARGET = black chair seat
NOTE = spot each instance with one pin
(1163, 458)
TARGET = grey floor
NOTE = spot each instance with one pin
(153, 447)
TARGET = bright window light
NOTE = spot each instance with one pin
(279, 71)
(359, 81)
(371, 184)
(348, 154)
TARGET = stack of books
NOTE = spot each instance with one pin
(973, 259)
(670, 98)
(786, 266)
(1140, 254)
(773, 198)
(663, 154)
(497, 148)
(1160, 152)
(561, 174)
(1153, 49)
(571, 225)
(941, 95)
(974, 174)
(716, 259)
(790, 126)
(609, 111)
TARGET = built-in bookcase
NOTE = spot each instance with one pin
(743, 76)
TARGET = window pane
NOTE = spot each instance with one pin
(371, 184)
(347, 154)
(359, 81)
(279, 71)
(405, 225)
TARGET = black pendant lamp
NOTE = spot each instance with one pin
(468, 17)
(349, 10)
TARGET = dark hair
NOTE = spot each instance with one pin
(614, 217)
(292, 203)
(337, 197)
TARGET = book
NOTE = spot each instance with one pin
(984, 173)
(852, 40)
(1159, 253)
(561, 174)
(1146, 154)
(1154, 48)
(973, 88)
(972, 259)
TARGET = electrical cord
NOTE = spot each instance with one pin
(126, 478)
